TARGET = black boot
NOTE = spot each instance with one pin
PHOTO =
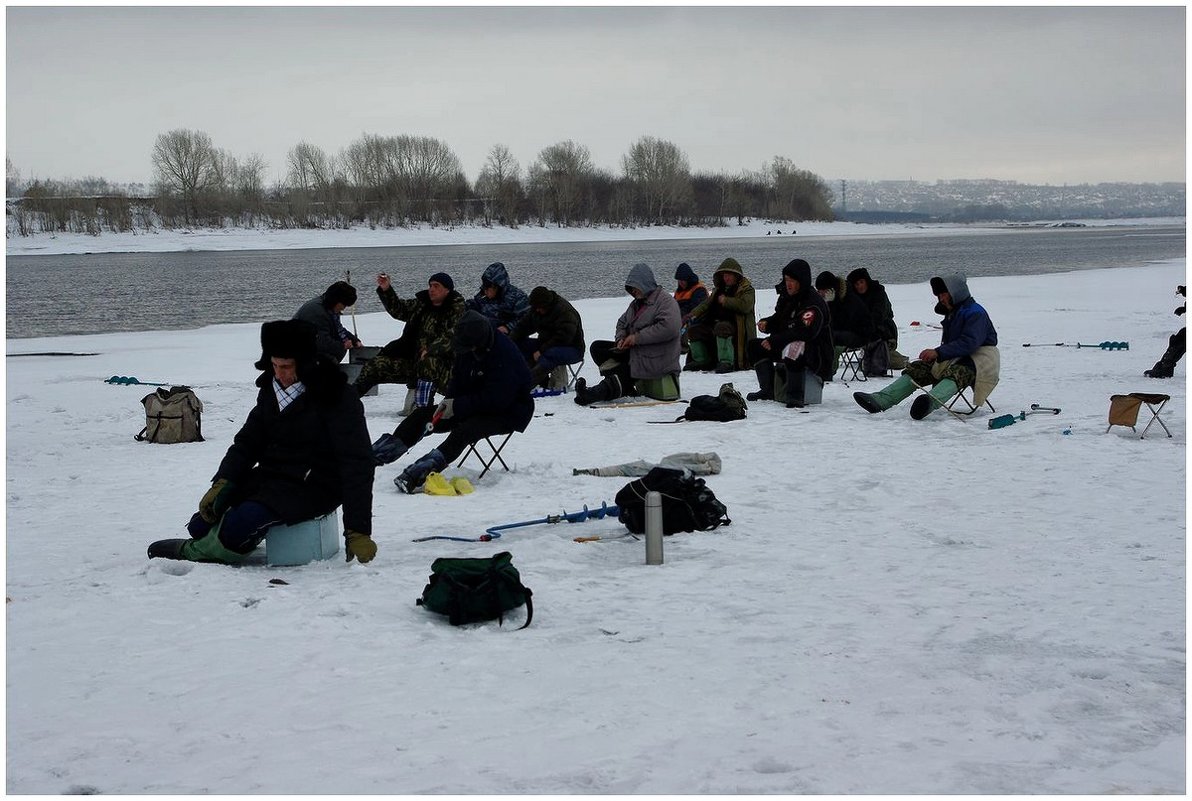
(167, 549)
(606, 390)
(541, 377)
(1165, 367)
(765, 381)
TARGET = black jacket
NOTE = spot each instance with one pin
(309, 459)
(561, 326)
(803, 317)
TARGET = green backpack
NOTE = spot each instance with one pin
(473, 590)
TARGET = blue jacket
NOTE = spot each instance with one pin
(494, 382)
(967, 326)
(510, 304)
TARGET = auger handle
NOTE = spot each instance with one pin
(1037, 408)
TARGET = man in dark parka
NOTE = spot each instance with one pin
(302, 452)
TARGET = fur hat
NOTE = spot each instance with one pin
(339, 292)
(286, 339)
(444, 279)
(472, 332)
(541, 297)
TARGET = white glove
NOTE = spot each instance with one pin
(446, 409)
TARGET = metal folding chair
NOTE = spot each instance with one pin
(851, 362)
(1123, 411)
(960, 398)
(488, 463)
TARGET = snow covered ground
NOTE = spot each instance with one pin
(897, 607)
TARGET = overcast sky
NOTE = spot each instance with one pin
(1056, 95)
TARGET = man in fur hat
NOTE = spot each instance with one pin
(489, 394)
(323, 312)
(302, 452)
(967, 356)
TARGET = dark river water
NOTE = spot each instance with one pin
(96, 293)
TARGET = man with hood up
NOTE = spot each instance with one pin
(881, 312)
(489, 394)
(966, 357)
(499, 300)
(799, 335)
(302, 452)
(722, 326)
(646, 349)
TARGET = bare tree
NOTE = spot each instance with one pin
(660, 171)
(309, 168)
(559, 178)
(184, 163)
(499, 184)
(797, 194)
(12, 178)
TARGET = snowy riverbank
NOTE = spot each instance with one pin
(898, 606)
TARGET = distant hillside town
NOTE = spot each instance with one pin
(979, 200)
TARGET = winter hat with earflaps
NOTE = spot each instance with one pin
(472, 332)
(287, 339)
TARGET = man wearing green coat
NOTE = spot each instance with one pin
(720, 327)
(421, 357)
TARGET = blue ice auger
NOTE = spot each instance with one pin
(1106, 345)
(129, 380)
(493, 533)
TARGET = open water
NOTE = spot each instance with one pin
(96, 293)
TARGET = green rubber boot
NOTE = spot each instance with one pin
(699, 359)
(210, 549)
(892, 395)
(726, 355)
(940, 394)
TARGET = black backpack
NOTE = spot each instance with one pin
(688, 504)
(474, 590)
(722, 408)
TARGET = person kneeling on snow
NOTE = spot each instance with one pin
(646, 348)
(967, 356)
(302, 452)
(489, 394)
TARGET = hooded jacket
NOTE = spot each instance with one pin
(878, 303)
(510, 304)
(802, 317)
(849, 313)
(968, 332)
(739, 303)
(315, 455)
(493, 381)
(655, 322)
(695, 293)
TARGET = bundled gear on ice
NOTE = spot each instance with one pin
(688, 503)
(473, 590)
(172, 415)
(724, 407)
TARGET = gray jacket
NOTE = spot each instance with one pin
(655, 323)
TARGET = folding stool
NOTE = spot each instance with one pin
(564, 376)
(488, 463)
(1123, 410)
(851, 362)
(960, 397)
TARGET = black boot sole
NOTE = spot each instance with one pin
(167, 549)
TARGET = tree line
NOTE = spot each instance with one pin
(393, 181)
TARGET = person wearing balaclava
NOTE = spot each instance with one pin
(302, 452)
(489, 394)
(967, 356)
(645, 355)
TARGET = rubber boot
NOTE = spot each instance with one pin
(699, 359)
(726, 355)
(413, 477)
(388, 449)
(794, 389)
(207, 549)
(893, 394)
(765, 381)
(940, 394)
(607, 389)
